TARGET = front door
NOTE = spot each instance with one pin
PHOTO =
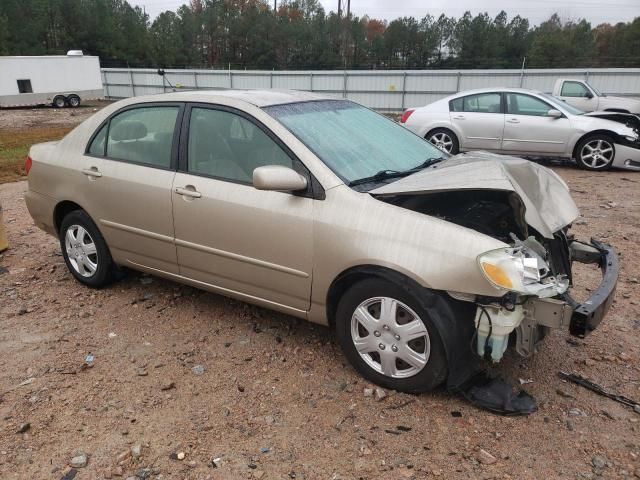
(529, 129)
(256, 244)
(480, 119)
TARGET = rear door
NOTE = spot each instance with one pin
(242, 241)
(529, 129)
(131, 191)
(480, 118)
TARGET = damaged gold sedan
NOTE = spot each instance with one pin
(325, 210)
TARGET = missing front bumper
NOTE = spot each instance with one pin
(542, 314)
(588, 315)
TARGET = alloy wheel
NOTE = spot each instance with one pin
(81, 250)
(442, 141)
(390, 337)
(597, 153)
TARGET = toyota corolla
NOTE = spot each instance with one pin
(327, 211)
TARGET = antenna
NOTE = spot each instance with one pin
(339, 8)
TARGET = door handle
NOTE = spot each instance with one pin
(92, 172)
(459, 117)
(188, 191)
(513, 120)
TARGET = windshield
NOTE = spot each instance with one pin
(562, 105)
(353, 141)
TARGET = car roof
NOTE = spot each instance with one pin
(495, 89)
(259, 98)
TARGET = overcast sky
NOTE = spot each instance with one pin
(595, 11)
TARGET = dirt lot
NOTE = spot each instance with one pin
(181, 377)
(20, 128)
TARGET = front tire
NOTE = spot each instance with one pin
(84, 250)
(389, 338)
(445, 140)
(595, 152)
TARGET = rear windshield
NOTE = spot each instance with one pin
(352, 140)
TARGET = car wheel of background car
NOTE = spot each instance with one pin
(59, 101)
(84, 250)
(388, 337)
(74, 101)
(595, 152)
(444, 139)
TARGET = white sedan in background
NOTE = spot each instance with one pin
(522, 122)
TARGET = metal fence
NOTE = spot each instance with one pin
(384, 90)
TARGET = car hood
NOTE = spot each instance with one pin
(548, 203)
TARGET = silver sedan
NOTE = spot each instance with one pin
(524, 122)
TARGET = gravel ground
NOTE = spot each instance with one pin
(191, 385)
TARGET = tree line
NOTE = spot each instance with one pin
(301, 34)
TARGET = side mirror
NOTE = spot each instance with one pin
(553, 113)
(588, 95)
(279, 178)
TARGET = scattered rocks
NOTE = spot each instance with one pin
(576, 412)
(563, 393)
(380, 394)
(197, 369)
(141, 372)
(181, 455)
(23, 427)
(485, 457)
(79, 460)
(368, 392)
(599, 462)
(167, 386)
(136, 451)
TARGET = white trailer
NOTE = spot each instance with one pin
(58, 80)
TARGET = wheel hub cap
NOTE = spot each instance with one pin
(390, 337)
(81, 250)
(597, 154)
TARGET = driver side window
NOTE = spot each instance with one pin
(573, 89)
(227, 146)
(518, 104)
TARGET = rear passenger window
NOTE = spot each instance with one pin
(481, 103)
(97, 145)
(230, 147)
(143, 135)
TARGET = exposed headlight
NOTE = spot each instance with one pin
(631, 138)
(521, 270)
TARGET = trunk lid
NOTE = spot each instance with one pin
(548, 203)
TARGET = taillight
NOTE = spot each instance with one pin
(27, 164)
(405, 116)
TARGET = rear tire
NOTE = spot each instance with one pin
(595, 152)
(398, 328)
(60, 101)
(73, 101)
(444, 139)
(84, 250)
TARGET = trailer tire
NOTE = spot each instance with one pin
(59, 101)
(73, 101)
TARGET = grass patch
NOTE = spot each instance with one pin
(14, 146)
